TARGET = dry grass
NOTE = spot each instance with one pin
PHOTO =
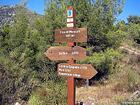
(115, 91)
(101, 95)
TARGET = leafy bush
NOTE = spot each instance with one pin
(50, 94)
(134, 32)
(133, 80)
(105, 62)
(115, 38)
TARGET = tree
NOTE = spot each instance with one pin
(134, 28)
(134, 19)
(99, 16)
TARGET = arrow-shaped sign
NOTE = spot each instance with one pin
(85, 71)
(66, 53)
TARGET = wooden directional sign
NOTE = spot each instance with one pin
(71, 35)
(66, 53)
(85, 71)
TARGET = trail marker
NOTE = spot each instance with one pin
(85, 71)
(71, 35)
(65, 53)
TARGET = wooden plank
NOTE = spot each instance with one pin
(66, 53)
(85, 71)
(71, 35)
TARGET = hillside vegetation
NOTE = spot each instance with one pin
(28, 77)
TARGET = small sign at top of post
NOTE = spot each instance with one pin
(70, 17)
(70, 13)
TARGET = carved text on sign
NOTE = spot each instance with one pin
(66, 53)
(85, 71)
(71, 35)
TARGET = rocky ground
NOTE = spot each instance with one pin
(6, 15)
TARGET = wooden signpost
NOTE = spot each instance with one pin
(66, 53)
(85, 71)
(71, 35)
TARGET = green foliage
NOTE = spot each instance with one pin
(35, 100)
(54, 18)
(134, 19)
(98, 16)
(22, 54)
(133, 80)
(115, 38)
(134, 32)
(50, 94)
(4, 36)
(105, 62)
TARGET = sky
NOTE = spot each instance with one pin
(131, 7)
(34, 5)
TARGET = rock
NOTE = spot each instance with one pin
(6, 15)
(135, 95)
(17, 103)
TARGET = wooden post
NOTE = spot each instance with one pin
(70, 80)
(71, 88)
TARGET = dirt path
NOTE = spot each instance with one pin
(131, 50)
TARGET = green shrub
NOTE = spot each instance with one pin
(105, 62)
(133, 80)
(115, 38)
(50, 94)
(134, 31)
(35, 100)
